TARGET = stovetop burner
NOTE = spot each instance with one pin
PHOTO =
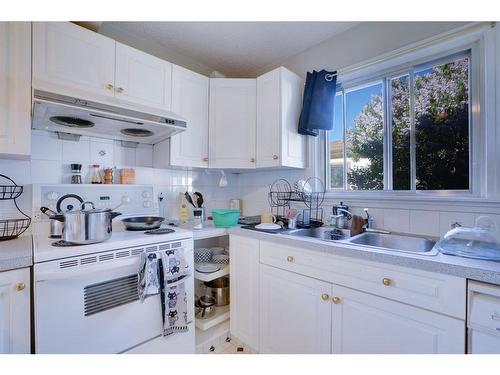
(63, 243)
(160, 231)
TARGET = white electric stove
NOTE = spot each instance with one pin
(86, 298)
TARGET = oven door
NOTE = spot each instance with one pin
(95, 308)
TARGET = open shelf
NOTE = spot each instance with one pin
(221, 315)
(224, 271)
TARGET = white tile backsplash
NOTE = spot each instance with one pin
(46, 146)
(76, 151)
(397, 220)
(446, 219)
(144, 156)
(46, 172)
(101, 153)
(424, 222)
(123, 156)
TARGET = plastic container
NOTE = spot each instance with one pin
(225, 218)
(480, 242)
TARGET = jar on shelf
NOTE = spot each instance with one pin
(96, 176)
(108, 176)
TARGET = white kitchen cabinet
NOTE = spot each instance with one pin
(143, 79)
(190, 100)
(232, 122)
(367, 324)
(279, 102)
(69, 59)
(15, 311)
(244, 291)
(15, 89)
(295, 313)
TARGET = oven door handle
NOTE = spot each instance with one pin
(85, 270)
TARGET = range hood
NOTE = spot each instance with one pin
(72, 117)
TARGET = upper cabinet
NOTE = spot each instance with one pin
(232, 123)
(190, 100)
(72, 60)
(279, 101)
(142, 78)
(15, 89)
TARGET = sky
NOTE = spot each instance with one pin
(356, 100)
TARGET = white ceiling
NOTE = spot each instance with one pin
(236, 49)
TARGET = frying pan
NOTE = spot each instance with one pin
(143, 222)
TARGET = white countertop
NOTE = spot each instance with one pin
(474, 269)
(16, 253)
(208, 230)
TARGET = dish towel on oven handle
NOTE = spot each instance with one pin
(148, 276)
(174, 271)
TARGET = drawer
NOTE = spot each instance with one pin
(484, 307)
(433, 291)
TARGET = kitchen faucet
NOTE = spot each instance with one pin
(368, 227)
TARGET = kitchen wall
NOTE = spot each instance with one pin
(361, 43)
(51, 159)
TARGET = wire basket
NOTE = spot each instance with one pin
(12, 228)
(10, 191)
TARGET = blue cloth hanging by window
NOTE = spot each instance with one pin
(317, 105)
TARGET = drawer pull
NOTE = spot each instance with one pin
(290, 258)
(20, 286)
(120, 90)
(205, 158)
(386, 281)
(109, 86)
(336, 300)
(275, 157)
(325, 297)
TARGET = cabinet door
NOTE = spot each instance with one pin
(366, 324)
(190, 100)
(15, 89)
(72, 60)
(295, 313)
(268, 119)
(244, 291)
(142, 79)
(15, 311)
(279, 102)
(232, 123)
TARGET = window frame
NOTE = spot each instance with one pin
(473, 50)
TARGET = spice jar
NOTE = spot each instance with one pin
(96, 176)
(108, 176)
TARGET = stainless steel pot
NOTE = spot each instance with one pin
(205, 307)
(218, 289)
(55, 225)
(84, 227)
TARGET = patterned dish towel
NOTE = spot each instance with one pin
(174, 270)
(148, 276)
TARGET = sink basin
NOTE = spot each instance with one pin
(395, 242)
(322, 233)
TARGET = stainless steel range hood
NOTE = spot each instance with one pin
(76, 117)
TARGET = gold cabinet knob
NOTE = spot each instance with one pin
(386, 281)
(336, 300)
(120, 89)
(275, 157)
(205, 158)
(252, 160)
(289, 258)
(20, 286)
(109, 86)
(325, 297)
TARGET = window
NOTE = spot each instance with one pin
(406, 131)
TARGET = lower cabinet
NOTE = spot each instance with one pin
(285, 307)
(295, 313)
(244, 291)
(366, 324)
(15, 311)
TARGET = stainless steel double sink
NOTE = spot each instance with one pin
(383, 241)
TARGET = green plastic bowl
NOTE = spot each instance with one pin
(225, 218)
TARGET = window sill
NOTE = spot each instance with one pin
(427, 199)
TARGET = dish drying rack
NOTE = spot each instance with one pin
(310, 192)
(12, 228)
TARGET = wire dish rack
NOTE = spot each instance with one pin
(311, 192)
(12, 228)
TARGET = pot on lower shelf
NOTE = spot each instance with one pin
(218, 289)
